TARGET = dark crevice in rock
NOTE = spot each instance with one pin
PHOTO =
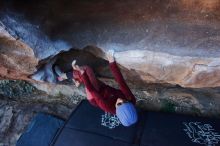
(82, 57)
(63, 60)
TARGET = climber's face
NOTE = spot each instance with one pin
(120, 101)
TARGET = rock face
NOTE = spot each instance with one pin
(186, 71)
(17, 59)
(156, 41)
(172, 41)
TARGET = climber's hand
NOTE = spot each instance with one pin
(110, 55)
(62, 77)
(73, 64)
(77, 68)
(77, 83)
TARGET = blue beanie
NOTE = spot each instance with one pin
(127, 114)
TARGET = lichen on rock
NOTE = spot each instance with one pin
(16, 88)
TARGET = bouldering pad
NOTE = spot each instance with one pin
(90, 126)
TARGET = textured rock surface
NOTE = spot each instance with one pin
(173, 41)
(20, 101)
(186, 71)
(17, 59)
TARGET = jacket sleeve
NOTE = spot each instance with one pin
(123, 86)
(103, 104)
(76, 75)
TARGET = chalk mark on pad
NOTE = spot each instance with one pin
(200, 133)
(110, 121)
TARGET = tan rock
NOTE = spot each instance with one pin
(17, 58)
(165, 68)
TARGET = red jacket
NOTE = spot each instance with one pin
(107, 96)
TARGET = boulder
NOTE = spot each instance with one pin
(172, 41)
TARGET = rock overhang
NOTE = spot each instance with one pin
(178, 40)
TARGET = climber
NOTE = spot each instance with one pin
(120, 102)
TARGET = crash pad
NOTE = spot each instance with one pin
(41, 131)
(90, 126)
